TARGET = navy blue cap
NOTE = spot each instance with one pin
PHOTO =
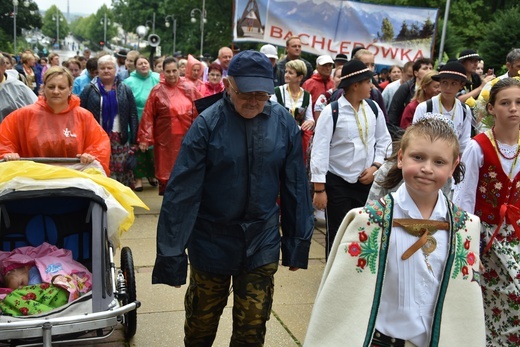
(252, 72)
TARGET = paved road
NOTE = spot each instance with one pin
(161, 316)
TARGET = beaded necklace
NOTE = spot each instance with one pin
(491, 134)
(364, 139)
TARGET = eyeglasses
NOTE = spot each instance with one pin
(249, 96)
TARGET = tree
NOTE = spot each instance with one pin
(387, 30)
(28, 17)
(96, 26)
(404, 33)
(217, 29)
(500, 36)
(428, 29)
(54, 21)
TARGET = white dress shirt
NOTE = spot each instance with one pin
(344, 153)
(410, 289)
(462, 124)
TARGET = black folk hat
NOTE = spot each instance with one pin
(453, 70)
(352, 72)
(121, 54)
(468, 54)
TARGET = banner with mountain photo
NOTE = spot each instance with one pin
(395, 34)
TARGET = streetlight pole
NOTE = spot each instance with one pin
(202, 21)
(15, 13)
(153, 23)
(58, 19)
(15, 10)
(104, 22)
(174, 22)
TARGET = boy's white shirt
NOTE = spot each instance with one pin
(410, 289)
(343, 153)
(462, 124)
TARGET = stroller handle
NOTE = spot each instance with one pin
(46, 160)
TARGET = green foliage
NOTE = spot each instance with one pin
(27, 18)
(500, 36)
(53, 22)
(217, 29)
(387, 31)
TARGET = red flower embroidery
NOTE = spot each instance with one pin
(466, 244)
(496, 311)
(44, 285)
(363, 236)
(471, 258)
(29, 296)
(354, 249)
(24, 311)
(514, 338)
(361, 263)
(464, 270)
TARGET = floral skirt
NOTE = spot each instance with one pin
(118, 158)
(501, 287)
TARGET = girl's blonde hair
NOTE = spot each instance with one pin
(425, 82)
(435, 127)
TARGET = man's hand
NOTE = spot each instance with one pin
(367, 176)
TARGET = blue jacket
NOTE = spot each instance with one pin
(220, 202)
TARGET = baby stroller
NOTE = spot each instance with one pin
(73, 218)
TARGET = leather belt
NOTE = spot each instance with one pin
(381, 340)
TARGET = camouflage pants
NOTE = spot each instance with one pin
(207, 296)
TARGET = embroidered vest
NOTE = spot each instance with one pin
(494, 187)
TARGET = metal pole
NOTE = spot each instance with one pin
(15, 4)
(444, 25)
(202, 16)
(58, 28)
(105, 32)
(153, 24)
(174, 35)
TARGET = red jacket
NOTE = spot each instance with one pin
(317, 86)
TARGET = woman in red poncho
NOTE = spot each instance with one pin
(55, 126)
(214, 85)
(167, 116)
(194, 72)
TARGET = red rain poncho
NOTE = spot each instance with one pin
(167, 116)
(189, 67)
(36, 131)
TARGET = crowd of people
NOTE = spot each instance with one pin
(415, 169)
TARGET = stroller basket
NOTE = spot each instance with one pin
(73, 219)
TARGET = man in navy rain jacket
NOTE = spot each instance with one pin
(220, 204)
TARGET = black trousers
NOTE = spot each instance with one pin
(341, 198)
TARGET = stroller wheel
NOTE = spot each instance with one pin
(127, 266)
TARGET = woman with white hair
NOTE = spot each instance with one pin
(113, 105)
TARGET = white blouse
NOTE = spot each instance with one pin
(410, 288)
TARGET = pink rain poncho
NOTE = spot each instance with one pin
(167, 116)
(36, 131)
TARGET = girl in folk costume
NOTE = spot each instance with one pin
(404, 270)
(491, 189)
